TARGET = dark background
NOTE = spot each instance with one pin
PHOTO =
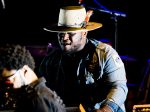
(22, 22)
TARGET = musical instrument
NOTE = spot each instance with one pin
(141, 108)
(75, 109)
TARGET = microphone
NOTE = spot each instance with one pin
(116, 13)
(3, 4)
(103, 9)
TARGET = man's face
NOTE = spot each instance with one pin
(13, 77)
(72, 42)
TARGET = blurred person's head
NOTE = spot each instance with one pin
(16, 65)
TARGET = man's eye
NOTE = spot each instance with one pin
(71, 34)
(63, 34)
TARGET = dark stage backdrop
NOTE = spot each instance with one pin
(22, 21)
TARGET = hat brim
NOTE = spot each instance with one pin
(90, 26)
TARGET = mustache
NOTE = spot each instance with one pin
(66, 43)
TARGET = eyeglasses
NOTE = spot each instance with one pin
(63, 34)
(18, 73)
(14, 75)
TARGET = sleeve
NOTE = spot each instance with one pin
(48, 105)
(47, 100)
(114, 75)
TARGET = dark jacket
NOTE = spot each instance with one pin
(37, 97)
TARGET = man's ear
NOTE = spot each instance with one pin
(25, 68)
(84, 34)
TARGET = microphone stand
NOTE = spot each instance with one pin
(3, 4)
(115, 14)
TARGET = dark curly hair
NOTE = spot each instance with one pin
(14, 56)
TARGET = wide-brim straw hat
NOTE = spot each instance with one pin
(72, 18)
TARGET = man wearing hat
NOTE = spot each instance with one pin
(83, 70)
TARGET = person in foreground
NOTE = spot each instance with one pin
(83, 70)
(31, 93)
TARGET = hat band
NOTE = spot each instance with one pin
(75, 25)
